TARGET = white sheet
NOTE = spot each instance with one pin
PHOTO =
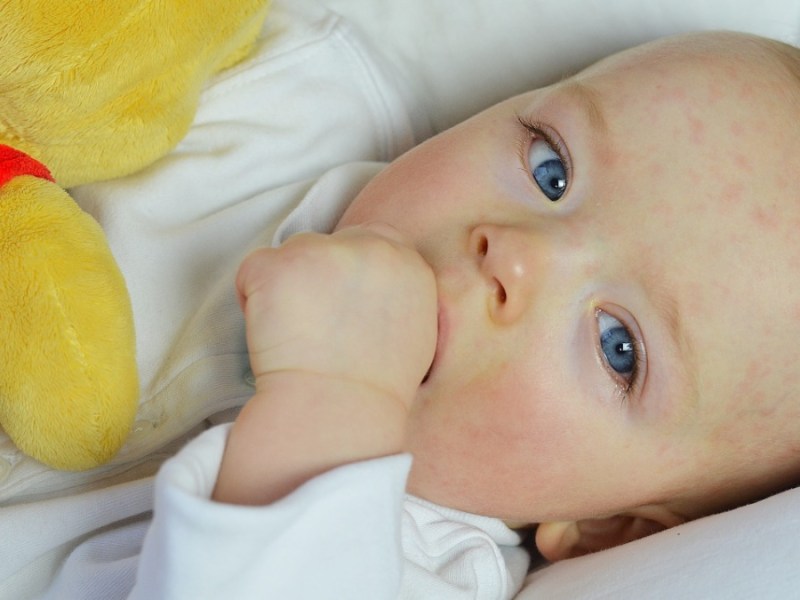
(751, 552)
(460, 56)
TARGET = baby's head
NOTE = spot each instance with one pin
(617, 260)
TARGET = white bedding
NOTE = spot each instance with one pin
(455, 57)
(459, 56)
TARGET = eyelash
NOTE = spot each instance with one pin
(536, 129)
(626, 389)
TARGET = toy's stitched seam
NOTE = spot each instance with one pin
(70, 330)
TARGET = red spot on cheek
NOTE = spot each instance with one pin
(697, 129)
(747, 91)
(732, 194)
(743, 163)
(714, 93)
(765, 219)
(757, 370)
(668, 96)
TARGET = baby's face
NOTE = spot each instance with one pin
(616, 260)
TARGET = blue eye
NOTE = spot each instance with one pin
(618, 345)
(548, 169)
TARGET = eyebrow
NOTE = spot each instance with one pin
(589, 99)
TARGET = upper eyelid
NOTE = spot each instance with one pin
(551, 138)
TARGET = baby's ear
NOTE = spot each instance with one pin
(568, 539)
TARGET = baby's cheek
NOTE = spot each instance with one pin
(525, 424)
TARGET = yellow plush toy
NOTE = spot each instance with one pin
(89, 90)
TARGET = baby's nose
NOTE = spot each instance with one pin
(505, 256)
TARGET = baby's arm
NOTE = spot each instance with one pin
(341, 329)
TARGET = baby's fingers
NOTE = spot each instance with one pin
(251, 275)
(376, 228)
(267, 267)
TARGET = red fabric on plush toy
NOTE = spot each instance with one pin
(14, 163)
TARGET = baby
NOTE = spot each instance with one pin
(578, 309)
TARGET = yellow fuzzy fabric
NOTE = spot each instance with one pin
(98, 89)
(94, 90)
(68, 391)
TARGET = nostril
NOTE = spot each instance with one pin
(483, 245)
(500, 292)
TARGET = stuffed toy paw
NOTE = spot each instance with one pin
(68, 385)
(88, 91)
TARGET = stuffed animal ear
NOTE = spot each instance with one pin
(569, 539)
(68, 381)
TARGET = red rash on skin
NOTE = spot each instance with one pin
(697, 129)
(765, 219)
(733, 194)
(743, 163)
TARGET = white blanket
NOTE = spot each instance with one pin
(458, 56)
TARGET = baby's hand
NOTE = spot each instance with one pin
(341, 329)
(358, 305)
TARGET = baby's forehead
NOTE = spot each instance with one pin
(721, 52)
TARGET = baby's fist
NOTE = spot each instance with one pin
(359, 305)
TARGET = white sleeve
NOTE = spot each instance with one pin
(348, 533)
(453, 555)
(337, 536)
